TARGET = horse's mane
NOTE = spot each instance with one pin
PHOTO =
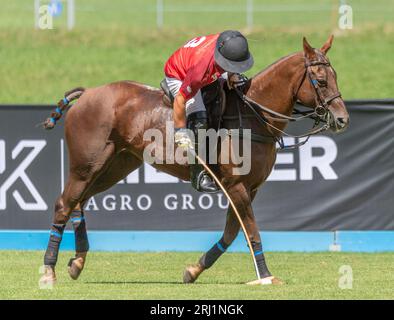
(275, 63)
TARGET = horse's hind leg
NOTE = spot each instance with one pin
(120, 167)
(82, 175)
(76, 264)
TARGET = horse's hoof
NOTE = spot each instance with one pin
(75, 265)
(48, 280)
(266, 281)
(192, 272)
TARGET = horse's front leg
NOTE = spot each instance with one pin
(242, 199)
(231, 230)
(265, 276)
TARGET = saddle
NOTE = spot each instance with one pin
(168, 98)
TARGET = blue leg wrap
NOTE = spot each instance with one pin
(210, 257)
(81, 236)
(55, 239)
(260, 259)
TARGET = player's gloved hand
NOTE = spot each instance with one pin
(182, 138)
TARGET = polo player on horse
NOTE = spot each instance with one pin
(198, 63)
(109, 146)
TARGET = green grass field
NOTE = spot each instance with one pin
(115, 40)
(159, 276)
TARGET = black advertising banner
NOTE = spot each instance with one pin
(334, 182)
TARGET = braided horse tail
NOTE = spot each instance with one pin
(62, 105)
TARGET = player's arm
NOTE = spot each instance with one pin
(189, 88)
(179, 111)
(181, 136)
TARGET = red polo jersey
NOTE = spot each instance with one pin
(194, 65)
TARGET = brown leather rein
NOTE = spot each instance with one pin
(319, 114)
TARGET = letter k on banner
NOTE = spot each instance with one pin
(20, 173)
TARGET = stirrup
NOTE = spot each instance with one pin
(206, 184)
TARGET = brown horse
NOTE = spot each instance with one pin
(104, 132)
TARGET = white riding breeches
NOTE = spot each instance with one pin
(194, 104)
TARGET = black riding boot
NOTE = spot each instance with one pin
(200, 179)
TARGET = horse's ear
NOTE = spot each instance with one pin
(327, 45)
(309, 52)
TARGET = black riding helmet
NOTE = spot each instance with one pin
(232, 52)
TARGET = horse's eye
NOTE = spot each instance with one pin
(322, 82)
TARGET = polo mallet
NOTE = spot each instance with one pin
(191, 149)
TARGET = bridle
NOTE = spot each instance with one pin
(322, 103)
(319, 114)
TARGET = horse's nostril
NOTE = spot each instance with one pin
(342, 122)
